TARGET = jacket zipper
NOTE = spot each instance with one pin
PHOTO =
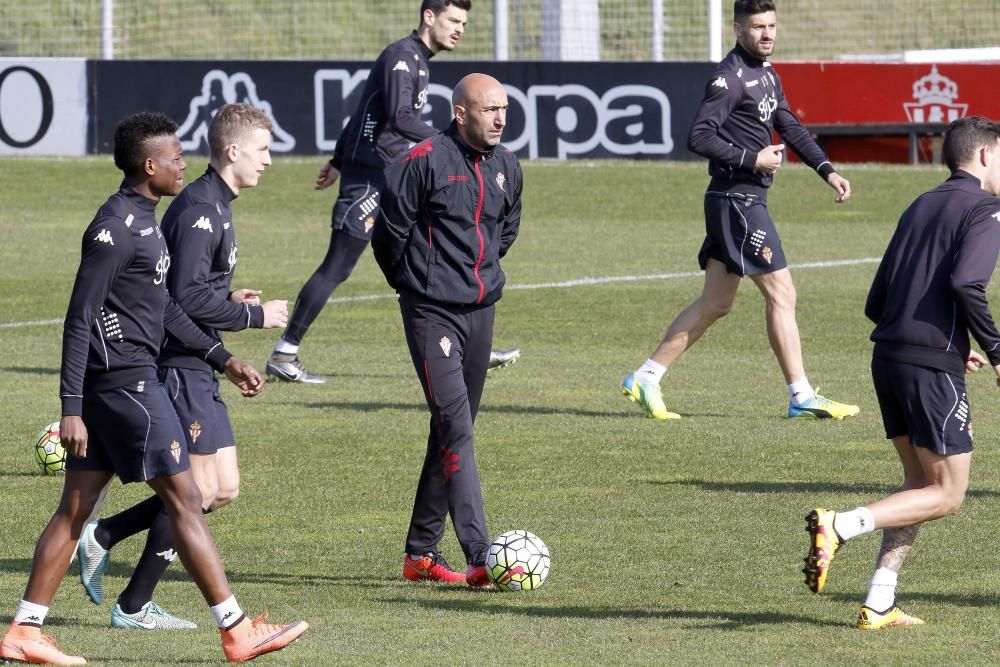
(479, 232)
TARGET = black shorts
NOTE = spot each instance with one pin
(134, 431)
(357, 205)
(195, 395)
(739, 233)
(926, 404)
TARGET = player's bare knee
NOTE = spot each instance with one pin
(225, 496)
(952, 501)
(714, 309)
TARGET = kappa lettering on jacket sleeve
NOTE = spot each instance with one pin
(721, 97)
(512, 219)
(975, 260)
(791, 131)
(180, 326)
(194, 239)
(401, 203)
(107, 249)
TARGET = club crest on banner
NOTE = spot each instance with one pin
(935, 96)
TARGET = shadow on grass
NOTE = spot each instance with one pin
(497, 409)
(803, 487)
(958, 599)
(123, 570)
(725, 620)
(28, 370)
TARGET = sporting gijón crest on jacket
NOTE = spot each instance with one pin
(201, 237)
(744, 103)
(120, 306)
(449, 213)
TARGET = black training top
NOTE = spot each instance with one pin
(387, 119)
(744, 102)
(201, 239)
(930, 290)
(120, 306)
(449, 213)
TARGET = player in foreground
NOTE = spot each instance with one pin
(201, 240)
(744, 102)
(466, 188)
(379, 132)
(929, 293)
(116, 416)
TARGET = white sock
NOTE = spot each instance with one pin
(853, 523)
(30, 613)
(650, 372)
(227, 613)
(800, 391)
(285, 347)
(882, 590)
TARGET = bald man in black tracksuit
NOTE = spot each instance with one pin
(928, 295)
(450, 211)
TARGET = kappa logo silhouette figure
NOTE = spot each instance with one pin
(218, 89)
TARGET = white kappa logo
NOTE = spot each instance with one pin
(720, 83)
(445, 346)
(218, 89)
(168, 555)
(105, 237)
(501, 179)
(996, 215)
(203, 223)
(401, 67)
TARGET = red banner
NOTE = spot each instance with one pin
(858, 93)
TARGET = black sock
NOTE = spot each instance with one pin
(156, 558)
(127, 523)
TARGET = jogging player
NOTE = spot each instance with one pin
(386, 122)
(744, 102)
(201, 239)
(116, 417)
(929, 293)
(452, 207)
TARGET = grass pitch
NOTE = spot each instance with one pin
(672, 543)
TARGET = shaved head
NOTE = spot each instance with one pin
(472, 87)
(480, 105)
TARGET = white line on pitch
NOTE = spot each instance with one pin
(578, 282)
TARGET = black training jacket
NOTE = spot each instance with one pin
(930, 289)
(744, 102)
(449, 213)
(201, 239)
(119, 305)
(387, 120)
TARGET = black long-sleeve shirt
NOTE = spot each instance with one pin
(929, 291)
(201, 238)
(119, 305)
(744, 102)
(449, 213)
(387, 119)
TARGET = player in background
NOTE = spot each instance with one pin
(201, 239)
(929, 293)
(744, 102)
(466, 188)
(116, 416)
(386, 122)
